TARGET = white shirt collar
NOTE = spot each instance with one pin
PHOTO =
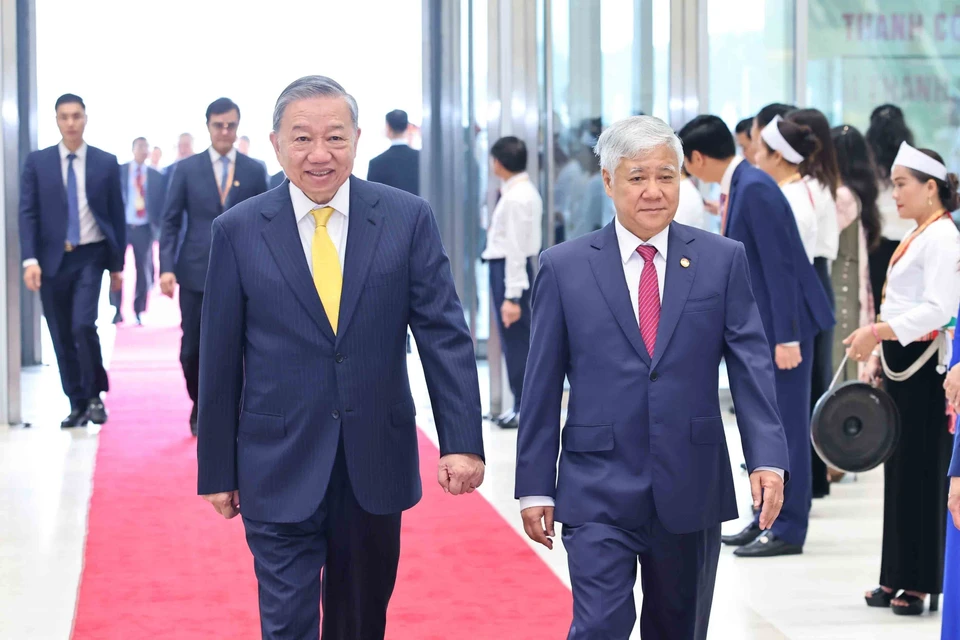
(514, 181)
(215, 157)
(302, 205)
(81, 152)
(728, 174)
(396, 142)
(629, 242)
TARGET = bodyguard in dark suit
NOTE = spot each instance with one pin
(277, 179)
(793, 305)
(143, 191)
(201, 188)
(72, 229)
(306, 415)
(398, 166)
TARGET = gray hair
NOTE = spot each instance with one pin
(631, 137)
(312, 87)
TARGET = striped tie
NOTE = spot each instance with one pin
(649, 298)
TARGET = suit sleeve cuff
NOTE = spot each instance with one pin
(512, 293)
(777, 471)
(535, 501)
(30, 262)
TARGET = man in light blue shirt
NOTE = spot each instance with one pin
(143, 191)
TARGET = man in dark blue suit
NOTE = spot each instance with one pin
(72, 229)
(637, 316)
(398, 166)
(143, 191)
(793, 305)
(307, 422)
(201, 188)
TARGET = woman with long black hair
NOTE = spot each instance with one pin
(859, 222)
(887, 130)
(906, 346)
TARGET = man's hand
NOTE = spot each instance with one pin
(767, 486)
(31, 277)
(538, 523)
(509, 312)
(460, 473)
(788, 356)
(168, 283)
(953, 501)
(952, 386)
(227, 504)
(116, 281)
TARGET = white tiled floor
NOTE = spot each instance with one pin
(45, 484)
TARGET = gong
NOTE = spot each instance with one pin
(855, 427)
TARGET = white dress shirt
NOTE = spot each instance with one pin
(923, 287)
(828, 232)
(336, 225)
(690, 209)
(633, 266)
(728, 176)
(800, 197)
(89, 229)
(215, 158)
(515, 232)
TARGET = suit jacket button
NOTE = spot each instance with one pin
(340, 358)
(654, 376)
(336, 414)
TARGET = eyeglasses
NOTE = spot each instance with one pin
(224, 126)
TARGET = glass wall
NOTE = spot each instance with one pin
(862, 54)
(609, 60)
(751, 55)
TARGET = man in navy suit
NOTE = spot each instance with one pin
(201, 188)
(143, 191)
(398, 166)
(637, 316)
(793, 305)
(307, 422)
(71, 229)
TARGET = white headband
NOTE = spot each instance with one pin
(772, 136)
(913, 159)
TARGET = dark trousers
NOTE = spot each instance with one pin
(516, 339)
(793, 400)
(878, 262)
(190, 304)
(140, 237)
(821, 376)
(70, 299)
(677, 574)
(358, 553)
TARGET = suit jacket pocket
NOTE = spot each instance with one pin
(262, 426)
(403, 414)
(585, 439)
(384, 279)
(707, 430)
(695, 305)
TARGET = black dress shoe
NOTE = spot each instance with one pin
(767, 545)
(506, 416)
(193, 420)
(512, 423)
(118, 317)
(97, 412)
(78, 417)
(746, 536)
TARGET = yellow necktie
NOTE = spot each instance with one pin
(327, 276)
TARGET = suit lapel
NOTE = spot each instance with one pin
(676, 285)
(734, 180)
(608, 270)
(283, 240)
(364, 225)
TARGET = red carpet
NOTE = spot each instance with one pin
(159, 563)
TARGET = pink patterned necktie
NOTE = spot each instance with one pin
(649, 298)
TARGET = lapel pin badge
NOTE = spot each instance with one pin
(684, 262)
(236, 183)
